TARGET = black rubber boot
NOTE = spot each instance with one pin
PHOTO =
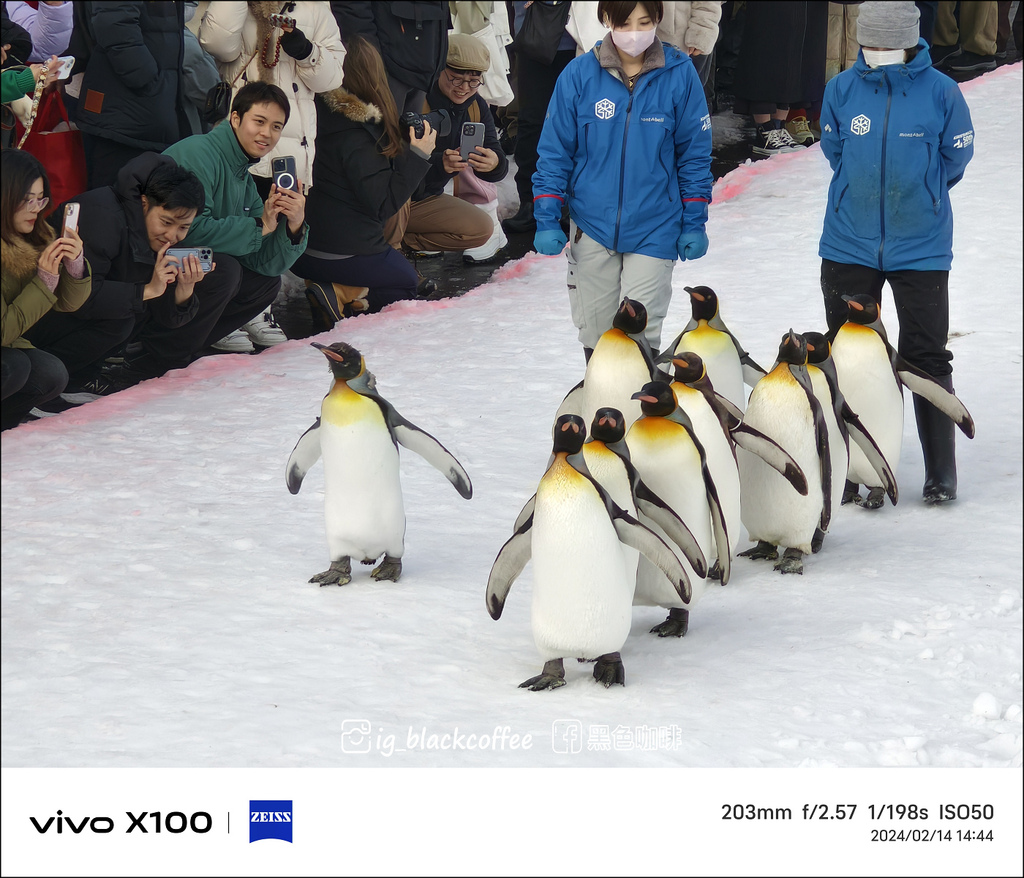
(523, 221)
(938, 442)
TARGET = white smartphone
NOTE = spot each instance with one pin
(71, 211)
(472, 137)
(67, 64)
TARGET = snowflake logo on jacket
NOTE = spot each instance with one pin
(604, 108)
(860, 124)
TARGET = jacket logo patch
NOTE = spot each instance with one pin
(962, 140)
(705, 122)
(604, 108)
(860, 124)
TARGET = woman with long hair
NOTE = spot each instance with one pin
(365, 173)
(38, 271)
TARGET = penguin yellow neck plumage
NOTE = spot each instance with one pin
(343, 406)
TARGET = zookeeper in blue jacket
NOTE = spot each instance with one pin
(898, 136)
(626, 145)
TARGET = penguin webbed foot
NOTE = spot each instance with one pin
(609, 669)
(763, 551)
(716, 572)
(935, 495)
(792, 562)
(817, 540)
(874, 500)
(676, 625)
(389, 569)
(339, 573)
(551, 677)
(851, 494)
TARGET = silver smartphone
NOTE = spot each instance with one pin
(472, 137)
(203, 254)
(71, 212)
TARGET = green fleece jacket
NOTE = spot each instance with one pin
(228, 221)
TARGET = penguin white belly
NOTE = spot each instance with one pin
(363, 508)
(581, 604)
(867, 381)
(839, 451)
(616, 371)
(718, 452)
(718, 351)
(669, 463)
(610, 472)
(771, 510)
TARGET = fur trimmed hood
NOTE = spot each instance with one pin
(340, 100)
(21, 259)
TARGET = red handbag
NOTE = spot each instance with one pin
(60, 151)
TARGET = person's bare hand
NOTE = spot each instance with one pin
(427, 142)
(164, 273)
(483, 159)
(47, 71)
(292, 205)
(190, 272)
(49, 259)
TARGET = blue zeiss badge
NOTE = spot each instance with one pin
(270, 819)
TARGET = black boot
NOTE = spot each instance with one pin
(938, 442)
(523, 221)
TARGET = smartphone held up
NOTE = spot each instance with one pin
(283, 170)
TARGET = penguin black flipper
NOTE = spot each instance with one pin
(921, 383)
(305, 453)
(820, 440)
(872, 452)
(526, 513)
(408, 435)
(728, 405)
(572, 404)
(771, 453)
(509, 563)
(752, 372)
(651, 505)
(635, 535)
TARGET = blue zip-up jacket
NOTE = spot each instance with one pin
(635, 170)
(898, 138)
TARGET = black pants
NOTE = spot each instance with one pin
(29, 377)
(229, 297)
(80, 344)
(388, 275)
(535, 83)
(105, 158)
(922, 308)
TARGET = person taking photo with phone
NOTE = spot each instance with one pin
(127, 230)
(38, 272)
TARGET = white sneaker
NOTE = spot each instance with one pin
(236, 342)
(493, 245)
(264, 331)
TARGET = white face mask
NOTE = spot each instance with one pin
(633, 42)
(883, 57)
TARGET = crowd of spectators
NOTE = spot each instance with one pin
(366, 102)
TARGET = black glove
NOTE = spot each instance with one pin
(296, 44)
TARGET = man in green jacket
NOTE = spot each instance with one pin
(254, 242)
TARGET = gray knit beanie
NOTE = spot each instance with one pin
(888, 25)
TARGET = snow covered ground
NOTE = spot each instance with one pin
(156, 609)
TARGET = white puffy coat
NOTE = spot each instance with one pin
(230, 31)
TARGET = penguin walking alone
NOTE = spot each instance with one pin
(783, 406)
(358, 434)
(665, 450)
(872, 375)
(728, 365)
(720, 427)
(582, 590)
(843, 425)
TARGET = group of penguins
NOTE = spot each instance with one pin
(651, 474)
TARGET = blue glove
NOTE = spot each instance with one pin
(692, 245)
(550, 242)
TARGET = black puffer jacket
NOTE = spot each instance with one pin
(113, 232)
(132, 90)
(412, 37)
(357, 189)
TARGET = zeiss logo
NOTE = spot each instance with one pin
(270, 818)
(860, 125)
(604, 108)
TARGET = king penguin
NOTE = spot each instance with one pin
(358, 434)
(720, 428)
(728, 365)
(783, 406)
(622, 363)
(582, 590)
(842, 424)
(664, 448)
(872, 375)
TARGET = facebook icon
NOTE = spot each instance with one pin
(567, 736)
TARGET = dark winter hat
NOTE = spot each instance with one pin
(466, 52)
(888, 25)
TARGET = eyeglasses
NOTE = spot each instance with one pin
(476, 82)
(35, 203)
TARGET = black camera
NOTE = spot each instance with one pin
(439, 120)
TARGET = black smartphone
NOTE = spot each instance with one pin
(472, 137)
(203, 254)
(283, 169)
